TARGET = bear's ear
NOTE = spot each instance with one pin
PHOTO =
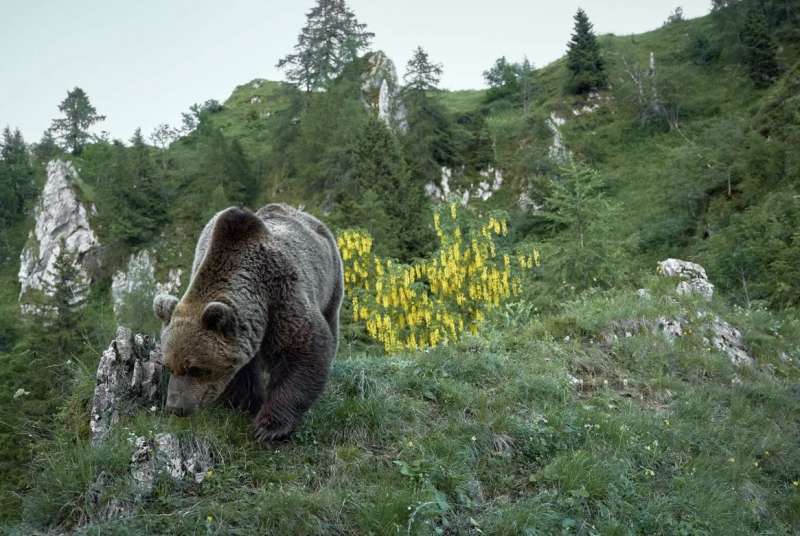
(163, 305)
(236, 224)
(219, 317)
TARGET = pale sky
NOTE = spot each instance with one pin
(144, 62)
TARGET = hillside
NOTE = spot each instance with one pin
(595, 399)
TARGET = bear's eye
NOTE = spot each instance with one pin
(196, 372)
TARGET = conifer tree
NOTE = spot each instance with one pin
(512, 81)
(47, 148)
(331, 39)
(16, 174)
(584, 59)
(588, 253)
(428, 141)
(79, 116)
(134, 209)
(63, 299)
(421, 74)
(389, 204)
(759, 49)
(17, 188)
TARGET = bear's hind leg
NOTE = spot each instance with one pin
(246, 390)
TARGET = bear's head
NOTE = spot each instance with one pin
(202, 350)
(206, 338)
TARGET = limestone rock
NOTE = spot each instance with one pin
(139, 280)
(684, 269)
(483, 186)
(670, 327)
(128, 378)
(182, 459)
(380, 91)
(593, 102)
(59, 215)
(694, 276)
(97, 509)
(558, 150)
(728, 339)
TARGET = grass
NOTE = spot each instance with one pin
(488, 435)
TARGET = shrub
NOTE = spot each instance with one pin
(431, 302)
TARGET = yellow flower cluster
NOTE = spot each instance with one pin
(431, 302)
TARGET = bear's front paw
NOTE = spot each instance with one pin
(267, 428)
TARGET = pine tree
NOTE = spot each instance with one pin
(421, 74)
(759, 49)
(79, 116)
(583, 58)
(331, 39)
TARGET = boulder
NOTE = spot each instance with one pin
(695, 280)
(720, 334)
(59, 215)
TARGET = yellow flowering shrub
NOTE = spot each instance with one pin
(434, 301)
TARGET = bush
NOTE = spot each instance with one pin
(434, 301)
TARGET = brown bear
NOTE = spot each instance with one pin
(265, 290)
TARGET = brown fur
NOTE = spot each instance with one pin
(265, 293)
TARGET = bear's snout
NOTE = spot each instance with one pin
(179, 407)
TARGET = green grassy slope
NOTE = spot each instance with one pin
(493, 435)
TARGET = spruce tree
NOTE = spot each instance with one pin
(79, 116)
(392, 207)
(427, 143)
(421, 74)
(759, 49)
(47, 148)
(331, 39)
(584, 60)
(17, 187)
(61, 304)
(133, 202)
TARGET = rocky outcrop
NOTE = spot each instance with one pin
(695, 280)
(139, 280)
(716, 331)
(380, 90)
(182, 459)
(558, 150)
(60, 217)
(129, 378)
(487, 182)
(728, 340)
(592, 103)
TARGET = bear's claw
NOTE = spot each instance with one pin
(266, 429)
